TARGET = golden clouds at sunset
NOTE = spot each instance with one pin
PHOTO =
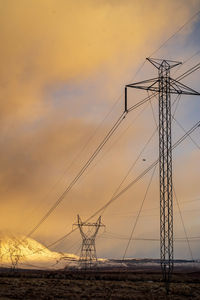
(44, 42)
(62, 65)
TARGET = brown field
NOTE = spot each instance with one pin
(109, 284)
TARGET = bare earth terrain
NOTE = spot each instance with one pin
(96, 284)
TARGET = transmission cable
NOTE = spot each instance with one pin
(129, 185)
(109, 134)
(105, 140)
(133, 165)
(153, 113)
(111, 131)
(193, 141)
(177, 104)
(98, 149)
(138, 215)
(191, 239)
(123, 132)
(190, 200)
(135, 106)
(180, 28)
(89, 139)
(186, 61)
(138, 157)
(177, 143)
(142, 102)
(192, 56)
(189, 71)
(116, 125)
(182, 221)
(81, 150)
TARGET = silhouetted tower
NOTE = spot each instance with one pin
(164, 85)
(88, 257)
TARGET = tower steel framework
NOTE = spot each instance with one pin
(164, 86)
(88, 231)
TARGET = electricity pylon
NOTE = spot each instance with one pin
(164, 86)
(88, 257)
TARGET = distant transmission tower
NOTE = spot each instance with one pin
(88, 257)
(164, 85)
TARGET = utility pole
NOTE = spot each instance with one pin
(88, 231)
(164, 86)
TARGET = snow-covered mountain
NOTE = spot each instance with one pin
(23, 252)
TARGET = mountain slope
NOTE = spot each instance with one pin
(21, 251)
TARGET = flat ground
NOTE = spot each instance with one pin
(109, 284)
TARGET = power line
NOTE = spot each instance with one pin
(193, 141)
(98, 149)
(182, 221)
(82, 149)
(186, 61)
(93, 156)
(133, 164)
(177, 104)
(118, 138)
(143, 149)
(142, 102)
(146, 99)
(63, 195)
(196, 53)
(85, 166)
(151, 239)
(188, 72)
(124, 190)
(138, 215)
(153, 113)
(173, 35)
(190, 200)
(93, 134)
(177, 143)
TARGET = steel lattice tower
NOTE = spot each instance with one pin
(88, 257)
(164, 85)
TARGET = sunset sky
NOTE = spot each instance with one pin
(64, 64)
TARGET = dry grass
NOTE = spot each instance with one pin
(96, 285)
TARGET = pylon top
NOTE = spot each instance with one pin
(159, 62)
(98, 223)
(175, 87)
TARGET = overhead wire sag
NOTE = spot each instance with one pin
(178, 30)
(95, 153)
(193, 141)
(182, 221)
(138, 178)
(134, 181)
(138, 215)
